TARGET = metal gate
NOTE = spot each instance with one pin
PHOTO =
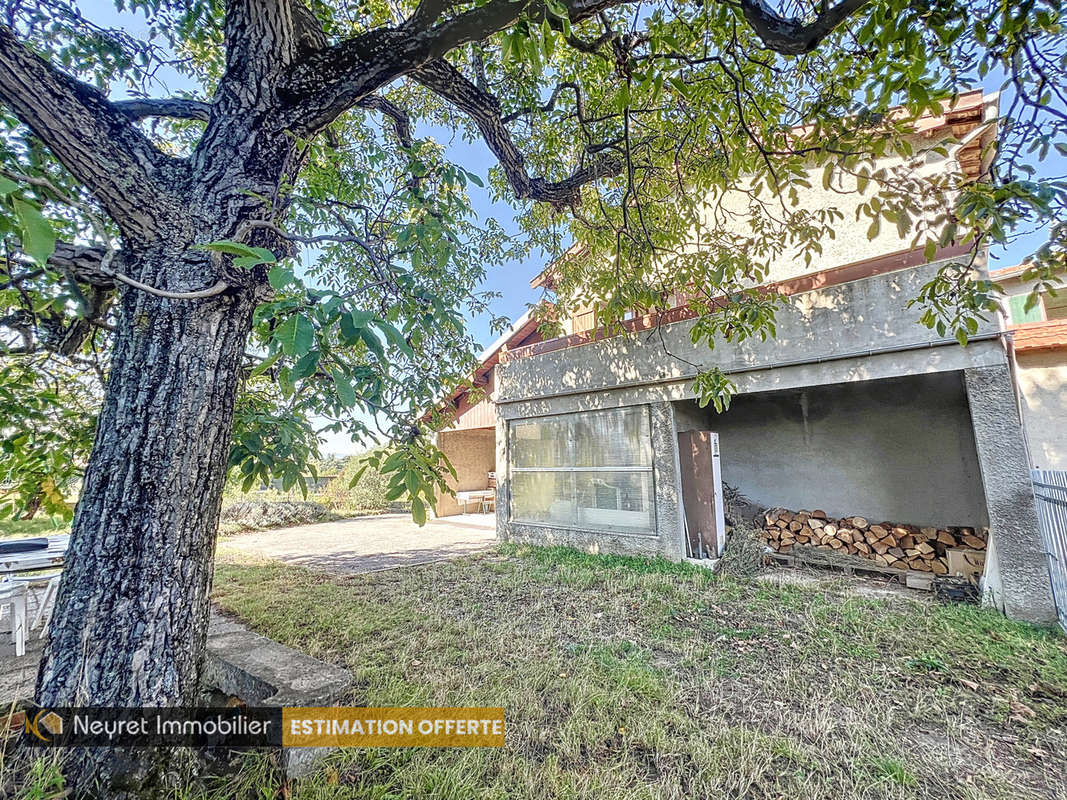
(1050, 489)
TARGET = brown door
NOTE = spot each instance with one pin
(699, 479)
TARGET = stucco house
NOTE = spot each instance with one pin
(854, 407)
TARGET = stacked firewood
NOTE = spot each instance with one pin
(888, 544)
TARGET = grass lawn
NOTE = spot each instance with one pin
(628, 678)
(38, 526)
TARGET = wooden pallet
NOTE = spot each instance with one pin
(850, 565)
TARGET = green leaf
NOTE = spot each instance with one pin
(930, 250)
(411, 480)
(279, 277)
(295, 335)
(373, 343)
(38, 237)
(418, 511)
(305, 366)
(229, 247)
(395, 337)
(7, 186)
(357, 476)
(345, 393)
(264, 365)
(352, 323)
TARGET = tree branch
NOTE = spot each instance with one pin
(791, 36)
(95, 141)
(448, 82)
(173, 107)
(328, 82)
(78, 261)
(401, 121)
(93, 265)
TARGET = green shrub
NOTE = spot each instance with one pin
(367, 495)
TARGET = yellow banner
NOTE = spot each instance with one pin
(393, 727)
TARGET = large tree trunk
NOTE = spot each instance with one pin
(130, 623)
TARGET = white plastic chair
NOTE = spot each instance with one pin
(13, 595)
(46, 602)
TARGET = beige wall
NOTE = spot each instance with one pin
(1042, 377)
(836, 206)
(850, 242)
(473, 454)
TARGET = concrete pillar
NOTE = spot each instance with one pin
(665, 479)
(1017, 575)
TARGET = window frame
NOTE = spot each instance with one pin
(571, 450)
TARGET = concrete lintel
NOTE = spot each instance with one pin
(845, 320)
(949, 358)
(1017, 578)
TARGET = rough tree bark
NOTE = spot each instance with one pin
(130, 623)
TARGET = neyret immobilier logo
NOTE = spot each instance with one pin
(240, 726)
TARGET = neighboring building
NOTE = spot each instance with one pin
(470, 442)
(1039, 339)
(853, 408)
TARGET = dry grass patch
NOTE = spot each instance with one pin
(630, 678)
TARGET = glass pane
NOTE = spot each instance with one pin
(614, 500)
(539, 442)
(617, 438)
(546, 497)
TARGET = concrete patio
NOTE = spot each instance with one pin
(368, 544)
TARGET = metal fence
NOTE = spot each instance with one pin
(1050, 489)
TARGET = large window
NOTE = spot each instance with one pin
(590, 470)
